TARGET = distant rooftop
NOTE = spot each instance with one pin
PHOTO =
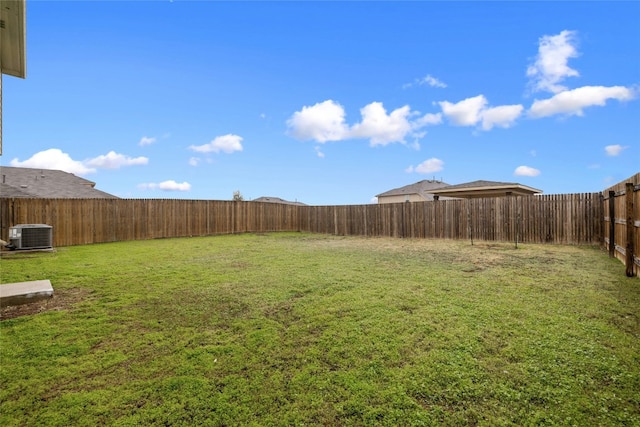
(277, 200)
(47, 183)
(482, 188)
(424, 188)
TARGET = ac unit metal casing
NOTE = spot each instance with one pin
(31, 236)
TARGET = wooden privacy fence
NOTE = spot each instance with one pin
(622, 223)
(567, 218)
(85, 221)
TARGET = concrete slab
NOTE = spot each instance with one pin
(25, 292)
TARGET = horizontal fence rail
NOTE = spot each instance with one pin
(565, 218)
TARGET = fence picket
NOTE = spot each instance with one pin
(572, 218)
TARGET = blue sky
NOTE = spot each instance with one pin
(326, 102)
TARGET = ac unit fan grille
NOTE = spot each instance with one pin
(36, 237)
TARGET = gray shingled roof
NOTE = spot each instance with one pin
(277, 200)
(481, 183)
(47, 183)
(481, 187)
(422, 188)
(9, 191)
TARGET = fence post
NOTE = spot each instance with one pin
(600, 217)
(517, 221)
(629, 247)
(612, 223)
(470, 218)
(403, 219)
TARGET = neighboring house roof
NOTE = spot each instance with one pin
(422, 188)
(47, 183)
(486, 189)
(277, 200)
(9, 191)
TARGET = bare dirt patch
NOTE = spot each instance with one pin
(61, 300)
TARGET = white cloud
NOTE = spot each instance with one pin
(319, 152)
(503, 116)
(428, 166)
(382, 128)
(325, 121)
(225, 143)
(174, 186)
(571, 102)
(321, 122)
(427, 119)
(146, 140)
(169, 185)
(526, 171)
(614, 150)
(550, 66)
(113, 160)
(471, 111)
(466, 112)
(427, 80)
(194, 161)
(432, 81)
(56, 159)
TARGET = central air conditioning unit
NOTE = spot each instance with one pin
(30, 236)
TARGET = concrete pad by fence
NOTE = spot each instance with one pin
(25, 292)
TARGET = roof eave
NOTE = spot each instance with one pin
(13, 60)
(521, 189)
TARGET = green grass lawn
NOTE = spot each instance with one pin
(301, 329)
